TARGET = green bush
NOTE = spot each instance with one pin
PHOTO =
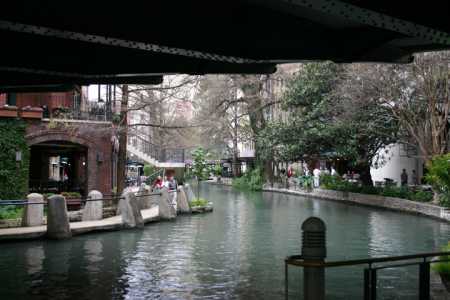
(46, 195)
(370, 190)
(331, 186)
(423, 196)
(11, 212)
(352, 187)
(251, 180)
(306, 180)
(442, 268)
(199, 202)
(444, 200)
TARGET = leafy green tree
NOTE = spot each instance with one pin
(317, 123)
(439, 177)
(149, 169)
(198, 166)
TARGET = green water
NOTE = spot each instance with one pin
(235, 252)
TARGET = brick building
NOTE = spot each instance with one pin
(73, 147)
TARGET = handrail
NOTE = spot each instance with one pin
(292, 260)
(370, 284)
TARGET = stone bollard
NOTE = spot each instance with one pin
(120, 204)
(140, 191)
(131, 214)
(314, 250)
(189, 193)
(33, 214)
(94, 209)
(58, 226)
(145, 202)
(156, 194)
(182, 203)
(166, 209)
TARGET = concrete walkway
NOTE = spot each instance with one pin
(113, 223)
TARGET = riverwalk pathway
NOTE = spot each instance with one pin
(112, 223)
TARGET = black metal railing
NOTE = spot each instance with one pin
(56, 187)
(370, 272)
(71, 107)
(144, 146)
(173, 155)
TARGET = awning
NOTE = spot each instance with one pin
(128, 162)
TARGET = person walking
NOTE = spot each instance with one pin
(173, 186)
(404, 178)
(158, 181)
(165, 183)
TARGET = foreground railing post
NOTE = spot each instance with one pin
(424, 280)
(314, 250)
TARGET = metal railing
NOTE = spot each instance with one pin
(144, 146)
(66, 107)
(56, 187)
(173, 155)
(314, 253)
(370, 272)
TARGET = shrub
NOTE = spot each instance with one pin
(197, 202)
(46, 195)
(331, 186)
(307, 180)
(75, 194)
(352, 187)
(423, 196)
(251, 180)
(65, 194)
(442, 268)
(11, 212)
(370, 190)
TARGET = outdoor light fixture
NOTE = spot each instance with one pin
(18, 156)
(100, 157)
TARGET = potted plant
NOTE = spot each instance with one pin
(31, 112)
(443, 268)
(10, 111)
(115, 119)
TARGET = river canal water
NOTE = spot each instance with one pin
(235, 252)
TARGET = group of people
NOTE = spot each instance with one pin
(318, 173)
(171, 186)
(404, 178)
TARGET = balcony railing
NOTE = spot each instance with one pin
(56, 187)
(70, 107)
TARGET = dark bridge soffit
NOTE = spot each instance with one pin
(137, 42)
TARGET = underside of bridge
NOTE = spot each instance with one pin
(52, 47)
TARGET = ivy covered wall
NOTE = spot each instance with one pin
(13, 175)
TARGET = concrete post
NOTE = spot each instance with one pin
(58, 226)
(182, 203)
(140, 190)
(33, 214)
(155, 197)
(166, 209)
(314, 250)
(145, 201)
(189, 193)
(120, 204)
(131, 214)
(94, 209)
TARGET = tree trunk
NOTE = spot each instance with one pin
(268, 171)
(365, 176)
(235, 166)
(122, 131)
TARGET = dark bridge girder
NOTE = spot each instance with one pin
(88, 42)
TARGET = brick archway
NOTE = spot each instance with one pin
(58, 135)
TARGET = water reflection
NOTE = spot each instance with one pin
(236, 252)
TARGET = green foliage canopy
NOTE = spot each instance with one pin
(316, 122)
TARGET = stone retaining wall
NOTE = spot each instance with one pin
(372, 200)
